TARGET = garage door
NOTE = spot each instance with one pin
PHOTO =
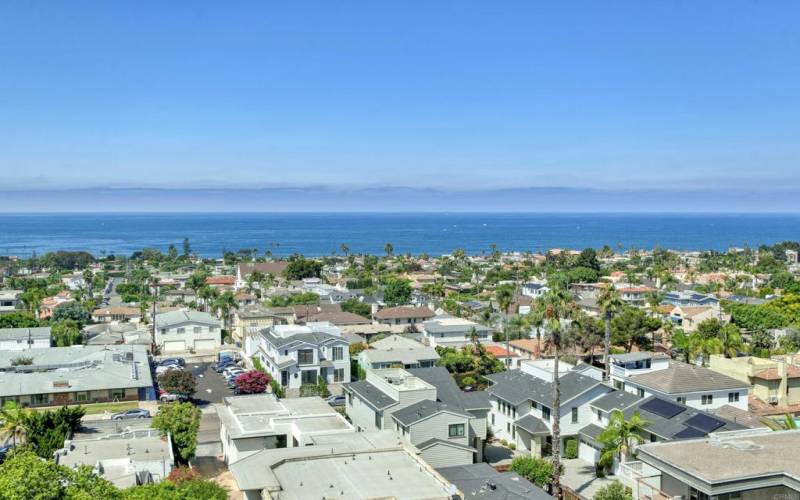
(174, 346)
(588, 453)
(205, 345)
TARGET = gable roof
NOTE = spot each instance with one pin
(274, 268)
(425, 409)
(371, 394)
(404, 312)
(482, 482)
(179, 316)
(516, 387)
(615, 400)
(681, 378)
(448, 391)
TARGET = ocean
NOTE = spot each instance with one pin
(432, 233)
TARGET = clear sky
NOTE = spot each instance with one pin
(466, 95)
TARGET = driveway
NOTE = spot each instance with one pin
(579, 476)
(211, 386)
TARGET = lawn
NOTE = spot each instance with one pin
(97, 408)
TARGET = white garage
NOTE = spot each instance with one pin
(205, 344)
(590, 449)
(174, 346)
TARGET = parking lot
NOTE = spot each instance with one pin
(211, 386)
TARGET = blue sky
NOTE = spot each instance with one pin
(455, 95)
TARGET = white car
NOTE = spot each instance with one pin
(230, 371)
(165, 368)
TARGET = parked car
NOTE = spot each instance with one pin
(337, 400)
(169, 397)
(173, 361)
(133, 413)
(222, 365)
(232, 369)
(165, 368)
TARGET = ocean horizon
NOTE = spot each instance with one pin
(435, 233)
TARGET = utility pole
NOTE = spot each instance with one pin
(155, 298)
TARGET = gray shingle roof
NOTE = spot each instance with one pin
(516, 387)
(167, 319)
(314, 338)
(370, 394)
(667, 428)
(532, 424)
(434, 441)
(424, 409)
(42, 332)
(447, 391)
(615, 400)
(590, 433)
(473, 481)
(682, 378)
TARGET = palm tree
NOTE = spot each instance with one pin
(536, 320)
(32, 298)
(504, 297)
(345, 249)
(620, 436)
(559, 306)
(223, 305)
(731, 339)
(610, 304)
(789, 422)
(205, 294)
(14, 422)
(389, 249)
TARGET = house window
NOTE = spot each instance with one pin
(733, 397)
(707, 399)
(574, 415)
(350, 398)
(39, 399)
(163, 331)
(545, 413)
(338, 375)
(681, 400)
(533, 405)
(309, 377)
(338, 353)
(455, 430)
(82, 396)
(508, 427)
(599, 415)
(197, 329)
(212, 329)
(492, 418)
(305, 356)
(378, 420)
(640, 392)
(181, 330)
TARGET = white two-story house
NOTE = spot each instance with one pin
(522, 408)
(297, 355)
(187, 330)
(450, 331)
(425, 408)
(648, 374)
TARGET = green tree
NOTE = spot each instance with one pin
(634, 326)
(187, 249)
(66, 333)
(620, 436)
(223, 306)
(610, 304)
(299, 267)
(24, 475)
(505, 296)
(396, 292)
(181, 421)
(614, 491)
(18, 320)
(14, 423)
(73, 311)
(355, 306)
(47, 430)
(537, 470)
(389, 249)
(178, 382)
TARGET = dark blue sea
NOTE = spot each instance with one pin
(322, 234)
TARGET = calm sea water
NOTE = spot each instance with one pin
(321, 234)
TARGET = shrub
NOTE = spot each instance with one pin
(512, 446)
(539, 471)
(468, 380)
(571, 448)
(277, 390)
(252, 382)
(504, 442)
(181, 420)
(614, 491)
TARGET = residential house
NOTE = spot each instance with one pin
(245, 269)
(666, 421)
(397, 352)
(367, 332)
(534, 290)
(129, 458)
(10, 301)
(119, 314)
(748, 465)
(635, 296)
(250, 319)
(76, 375)
(775, 381)
(522, 408)
(403, 315)
(353, 466)
(450, 331)
(425, 408)
(49, 304)
(187, 330)
(694, 386)
(509, 358)
(221, 281)
(689, 317)
(118, 333)
(525, 348)
(21, 339)
(297, 355)
(249, 424)
(689, 298)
